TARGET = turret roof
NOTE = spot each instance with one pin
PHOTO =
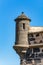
(22, 17)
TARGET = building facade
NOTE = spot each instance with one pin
(29, 41)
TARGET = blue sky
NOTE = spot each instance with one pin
(9, 10)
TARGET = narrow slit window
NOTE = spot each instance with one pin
(23, 25)
(42, 50)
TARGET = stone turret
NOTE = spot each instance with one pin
(22, 26)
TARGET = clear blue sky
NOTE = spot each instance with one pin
(9, 10)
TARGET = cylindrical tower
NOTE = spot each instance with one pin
(22, 27)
